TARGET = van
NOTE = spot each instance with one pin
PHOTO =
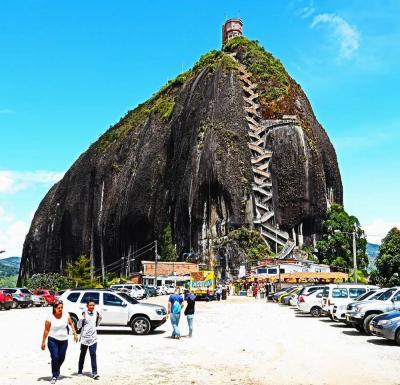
(341, 294)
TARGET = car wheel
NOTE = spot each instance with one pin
(140, 325)
(366, 324)
(15, 304)
(315, 311)
(359, 328)
(397, 337)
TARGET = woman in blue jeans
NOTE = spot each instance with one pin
(56, 333)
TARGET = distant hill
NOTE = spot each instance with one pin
(372, 252)
(9, 266)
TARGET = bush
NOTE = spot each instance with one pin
(52, 281)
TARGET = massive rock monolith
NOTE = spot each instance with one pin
(182, 158)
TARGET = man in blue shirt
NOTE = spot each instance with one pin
(175, 306)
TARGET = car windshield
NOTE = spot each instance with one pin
(25, 291)
(386, 295)
(127, 298)
(377, 296)
(365, 296)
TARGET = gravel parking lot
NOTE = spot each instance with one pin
(239, 341)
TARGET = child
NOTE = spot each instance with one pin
(90, 321)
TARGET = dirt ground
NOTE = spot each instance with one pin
(240, 341)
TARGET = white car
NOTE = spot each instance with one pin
(339, 312)
(311, 303)
(341, 294)
(170, 289)
(125, 288)
(140, 291)
(117, 309)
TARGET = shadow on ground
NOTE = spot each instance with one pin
(381, 342)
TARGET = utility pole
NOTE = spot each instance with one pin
(354, 256)
(276, 240)
(155, 264)
(128, 266)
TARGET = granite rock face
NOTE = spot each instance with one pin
(181, 159)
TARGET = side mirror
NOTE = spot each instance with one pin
(124, 304)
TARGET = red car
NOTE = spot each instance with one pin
(48, 295)
(6, 300)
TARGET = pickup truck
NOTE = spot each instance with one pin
(360, 314)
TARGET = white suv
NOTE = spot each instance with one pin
(117, 309)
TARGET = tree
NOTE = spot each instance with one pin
(246, 244)
(388, 260)
(168, 252)
(52, 281)
(80, 272)
(336, 246)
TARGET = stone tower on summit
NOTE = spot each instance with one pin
(230, 29)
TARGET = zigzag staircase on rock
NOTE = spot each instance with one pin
(261, 159)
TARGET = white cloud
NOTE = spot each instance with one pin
(12, 234)
(377, 230)
(345, 35)
(7, 111)
(13, 181)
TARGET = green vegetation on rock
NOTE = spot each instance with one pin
(266, 69)
(246, 242)
(163, 102)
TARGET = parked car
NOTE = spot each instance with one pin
(311, 303)
(306, 290)
(118, 309)
(59, 293)
(6, 299)
(21, 296)
(49, 295)
(161, 290)
(286, 299)
(340, 294)
(152, 291)
(288, 293)
(387, 325)
(361, 315)
(141, 293)
(127, 289)
(170, 289)
(339, 312)
(280, 292)
(38, 300)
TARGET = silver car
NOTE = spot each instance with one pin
(387, 325)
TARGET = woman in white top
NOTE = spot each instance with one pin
(56, 329)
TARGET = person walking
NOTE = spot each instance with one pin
(255, 291)
(56, 333)
(189, 311)
(91, 319)
(219, 292)
(175, 306)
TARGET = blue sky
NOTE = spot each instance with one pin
(70, 69)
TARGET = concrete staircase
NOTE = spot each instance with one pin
(264, 218)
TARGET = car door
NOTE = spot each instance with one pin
(396, 300)
(115, 310)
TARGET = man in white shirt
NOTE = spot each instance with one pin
(90, 321)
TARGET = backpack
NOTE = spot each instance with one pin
(81, 323)
(176, 307)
